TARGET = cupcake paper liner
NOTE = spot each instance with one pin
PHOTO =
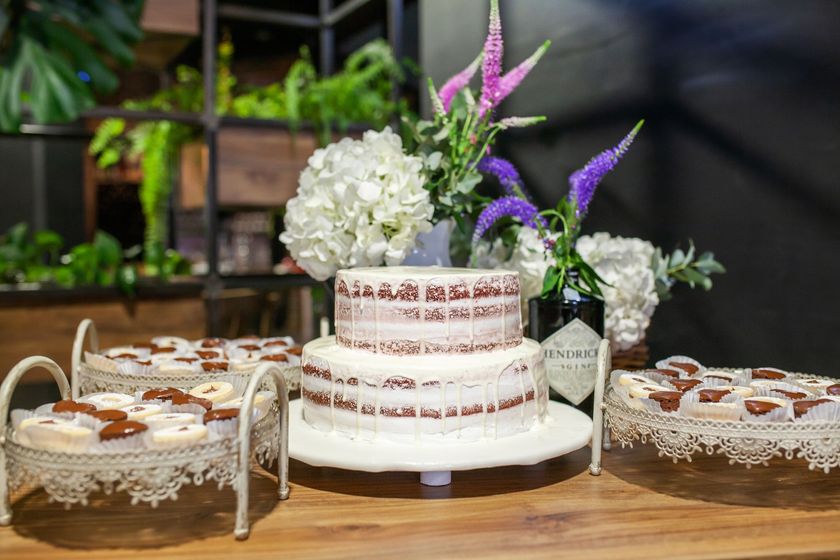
(781, 414)
(824, 412)
(691, 406)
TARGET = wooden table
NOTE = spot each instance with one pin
(641, 507)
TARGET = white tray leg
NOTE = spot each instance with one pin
(6, 390)
(598, 428)
(242, 529)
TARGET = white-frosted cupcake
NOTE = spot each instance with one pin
(169, 419)
(214, 391)
(141, 411)
(60, 436)
(105, 401)
(179, 436)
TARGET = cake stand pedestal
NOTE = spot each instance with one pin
(564, 430)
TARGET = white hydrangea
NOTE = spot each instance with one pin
(631, 299)
(359, 203)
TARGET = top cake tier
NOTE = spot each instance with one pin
(427, 310)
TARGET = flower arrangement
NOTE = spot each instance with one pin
(455, 144)
(363, 203)
(359, 203)
(630, 275)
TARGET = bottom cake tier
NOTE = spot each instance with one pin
(408, 398)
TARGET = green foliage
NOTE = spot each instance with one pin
(452, 145)
(683, 267)
(45, 46)
(359, 93)
(35, 258)
(568, 268)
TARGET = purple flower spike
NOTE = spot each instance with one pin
(506, 206)
(504, 171)
(584, 181)
(512, 79)
(458, 82)
(491, 67)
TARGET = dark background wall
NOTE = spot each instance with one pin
(41, 184)
(739, 152)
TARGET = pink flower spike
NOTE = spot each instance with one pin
(491, 66)
(512, 79)
(458, 82)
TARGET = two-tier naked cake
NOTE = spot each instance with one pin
(425, 353)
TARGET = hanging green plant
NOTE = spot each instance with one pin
(51, 55)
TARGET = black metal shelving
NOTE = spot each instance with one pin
(328, 16)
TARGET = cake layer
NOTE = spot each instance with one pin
(412, 397)
(407, 311)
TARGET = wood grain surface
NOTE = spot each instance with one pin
(641, 507)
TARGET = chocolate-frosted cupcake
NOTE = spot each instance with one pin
(684, 385)
(664, 371)
(71, 406)
(802, 407)
(768, 373)
(121, 429)
(107, 415)
(711, 395)
(759, 407)
(669, 401)
(792, 395)
(687, 367)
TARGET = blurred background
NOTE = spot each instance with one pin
(739, 153)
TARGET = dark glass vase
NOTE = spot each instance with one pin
(569, 328)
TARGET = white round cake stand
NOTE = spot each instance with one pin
(564, 430)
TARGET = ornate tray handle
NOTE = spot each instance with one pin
(85, 329)
(6, 390)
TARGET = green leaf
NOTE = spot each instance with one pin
(48, 240)
(677, 258)
(83, 56)
(17, 234)
(100, 28)
(120, 19)
(694, 277)
(109, 252)
(551, 280)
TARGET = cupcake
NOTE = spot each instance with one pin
(215, 391)
(122, 430)
(668, 401)
(71, 407)
(178, 436)
(684, 385)
(59, 436)
(108, 415)
(141, 411)
(768, 373)
(105, 401)
(169, 420)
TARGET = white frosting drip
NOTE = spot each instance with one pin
(464, 382)
(367, 318)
